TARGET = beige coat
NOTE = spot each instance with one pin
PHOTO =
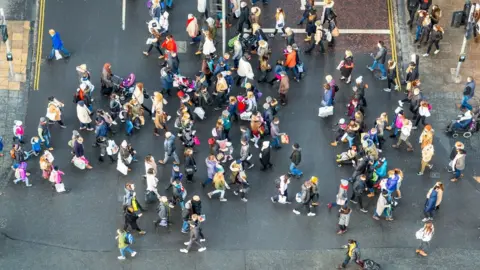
(53, 112)
(83, 114)
(318, 35)
(192, 28)
(427, 153)
(284, 85)
(138, 95)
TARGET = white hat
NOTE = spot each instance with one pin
(168, 134)
(341, 121)
(124, 143)
(243, 4)
(344, 182)
(17, 122)
(359, 79)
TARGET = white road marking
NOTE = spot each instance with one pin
(342, 31)
(124, 11)
(303, 2)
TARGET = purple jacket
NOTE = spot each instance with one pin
(211, 164)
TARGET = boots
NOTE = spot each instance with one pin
(308, 38)
(422, 253)
(334, 143)
(371, 194)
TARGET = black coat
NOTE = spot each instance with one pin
(359, 186)
(413, 4)
(265, 158)
(196, 207)
(244, 15)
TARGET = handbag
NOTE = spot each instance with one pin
(282, 199)
(79, 163)
(189, 170)
(196, 140)
(325, 111)
(335, 32)
(60, 188)
(129, 159)
(58, 55)
(150, 197)
(300, 67)
(285, 139)
(122, 168)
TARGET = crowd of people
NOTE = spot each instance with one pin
(214, 86)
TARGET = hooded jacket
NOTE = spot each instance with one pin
(244, 152)
(83, 113)
(245, 69)
(344, 217)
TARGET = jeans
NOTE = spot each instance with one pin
(197, 38)
(175, 156)
(275, 142)
(20, 179)
(380, 66)
(458, 173)
(294, 171)
(294, 70)
(314, 44)
(208, 181)
(169, 3)
(46, 138)
(19, 138)
(222, 193)
(424, 245)
(62, 49)
(465, 103)
(127, 248)
(431, 43)
(418, 32)
(193, 241)
(350, 141)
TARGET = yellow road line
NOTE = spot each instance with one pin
(40, 30)
(393, 44)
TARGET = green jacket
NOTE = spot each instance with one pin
(121, 240)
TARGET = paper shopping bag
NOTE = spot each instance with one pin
(58, 55)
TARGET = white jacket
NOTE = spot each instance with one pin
(425, 237)
(245, 69)
(201, 6)
(406, 129)
(83, 114)
(208, 47)
(423, 111)
(164, 21)
(283, 185)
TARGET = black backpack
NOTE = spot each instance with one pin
(370, 265)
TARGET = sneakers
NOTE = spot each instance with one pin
(436, 51)
(251, 166)
(369, 68)
(425, 55)
(202, 249)
(397, 88)
(430, 166)
(414, 127)
(203, 240)
(387, 89)
(184, 250)
(375, 217)
(121, 258)
(272, 35)
(364, 210)
(383, 78)
(244, 199)
(420, 173)
(352, 201)
(296, 212)
(223, 199)
(29, 185)
(334, 143)
(134, 253)
(272, 199)
(209, 195)
(235, 192)
(186, 243)
(142, 232)
(311, 214)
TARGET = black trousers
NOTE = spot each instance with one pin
(431, 43)
(359, 199)
(156, 45)
(411, 13)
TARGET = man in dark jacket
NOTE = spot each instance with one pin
(468, 92)
(173, 62)
(412, 6)
(359, 188)
(244, 17)
(425, 4)
(379, 60)
(295, 158)
(169, 146)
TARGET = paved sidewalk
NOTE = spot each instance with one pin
(13, 94)
(438, 84)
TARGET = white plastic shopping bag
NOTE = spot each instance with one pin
(58, 55)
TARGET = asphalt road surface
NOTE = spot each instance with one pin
(45, 230)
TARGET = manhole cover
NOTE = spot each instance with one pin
(435, 175)
(181, 46)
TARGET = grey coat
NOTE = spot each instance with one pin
(344, 218)
(244, 152)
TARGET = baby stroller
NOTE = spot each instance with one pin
(124, 87)
(183, 83)
(249, 42)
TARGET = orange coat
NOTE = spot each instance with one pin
(291, 60)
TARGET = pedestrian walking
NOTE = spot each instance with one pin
(427, 155)
(412, 6)
(21, 174)
(458, 164)
(359, 188)
(194, 238)
(79, 154)
(211, 163)
(453, 153)
(193, 29)
(283, 88)
(379, 60)
(435, 36)
(57, 46)
(353, 252)
(343, 219)
(391, 76)
(169, 147)
(44, 133)
(468, 92)
(265, 156)
(304, 198)
(243, 187)
(424, 235)
(154, 41)
(432, 203)
(219, 184)
(54, 111)
(245, 155)
(163, 212)
(275, 133)
(244, 71)
(123, 239)
(384, 206)
(279, 22)
(291, 62)
(18, 131)
(131, 218)
(190, 165)
(295, 158)
(426, 137)
(83, 114)
(318, 37)
(281, 184)
(405, 132)
(346, 67)
(423, 113)
(56, 179)
(359, 91)
(244, 17)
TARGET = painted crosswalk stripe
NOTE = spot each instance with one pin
(303, 2)
(342, 31)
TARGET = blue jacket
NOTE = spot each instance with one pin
(327, 98)
(167, 82)
(392, 183)
(169, 145)
(382, 170)
(430, 204)
(279, 69)
(57, 41)
(101, 130)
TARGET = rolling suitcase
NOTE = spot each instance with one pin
(457, 18)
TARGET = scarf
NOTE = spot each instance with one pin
(190, 20)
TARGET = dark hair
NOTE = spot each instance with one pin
(381, 43)
(55, 168)
(296, 145)
(326, 86)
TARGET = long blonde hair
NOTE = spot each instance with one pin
(279, 12)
